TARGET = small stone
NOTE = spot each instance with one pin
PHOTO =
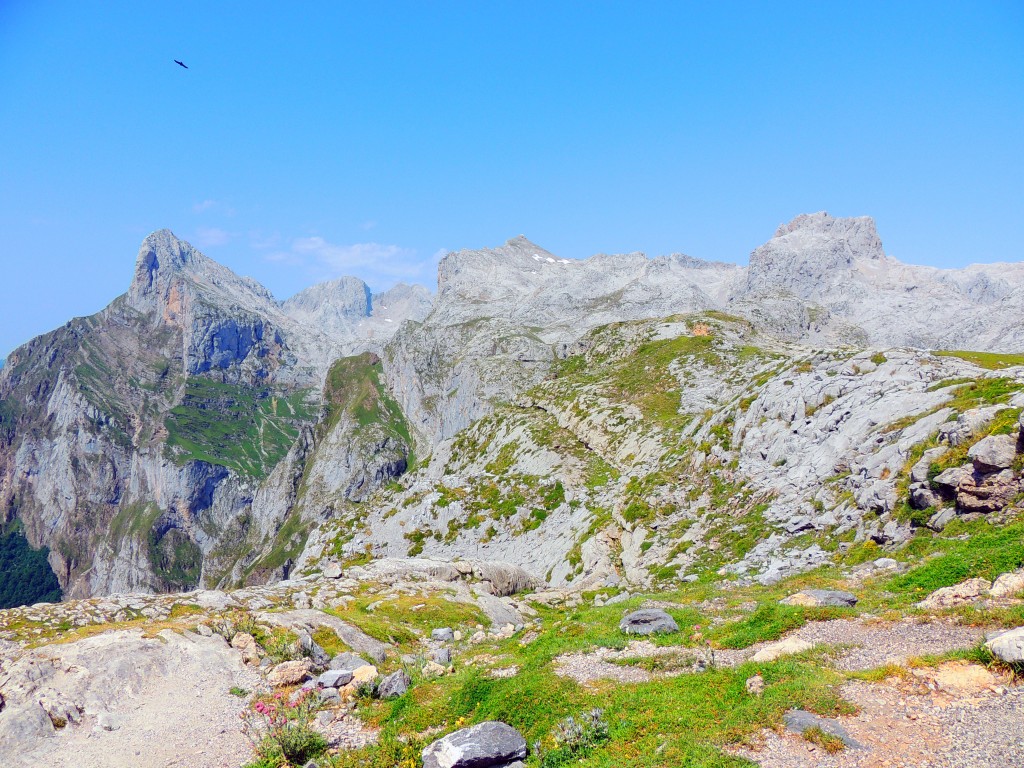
(786, 647)
(289, 673)
(444, 634)
(332, 571)
(433, 669)
(329, 695)
(755, 685)
(204, 630)
(647, 622)
(478, 637)
(246, 643)
(441, 656)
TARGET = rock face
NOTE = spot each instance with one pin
(481, 746)
(648, 622)
(141, 443)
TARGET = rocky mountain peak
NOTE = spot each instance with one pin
(346, 296)
(812, 253)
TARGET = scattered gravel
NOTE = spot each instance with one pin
(877, 643)
(958, 717)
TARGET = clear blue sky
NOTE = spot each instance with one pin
(365, 138)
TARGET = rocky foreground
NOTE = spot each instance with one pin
(389, 652)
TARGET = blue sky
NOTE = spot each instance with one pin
(365, 139)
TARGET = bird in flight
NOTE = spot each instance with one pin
(180, 64)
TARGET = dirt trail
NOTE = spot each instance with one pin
(164, 699)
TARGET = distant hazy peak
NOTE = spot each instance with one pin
(347, 295)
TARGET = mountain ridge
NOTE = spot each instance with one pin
(199, 431)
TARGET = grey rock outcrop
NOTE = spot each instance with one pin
(394, 685)
(648, 621)
(993, 453)
(484, 745)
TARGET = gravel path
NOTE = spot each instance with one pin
(958, 716)
(877, 643)
(869, 644)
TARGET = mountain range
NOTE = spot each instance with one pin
(618, 418)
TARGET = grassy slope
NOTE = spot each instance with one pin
(246, 429)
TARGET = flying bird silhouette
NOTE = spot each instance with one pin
(180, 64)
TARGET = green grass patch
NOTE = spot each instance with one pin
(246, 429)
(985, 554)
(992, 361)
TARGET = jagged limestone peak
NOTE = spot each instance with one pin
(348, 296)
(812, 254)
(165, 261)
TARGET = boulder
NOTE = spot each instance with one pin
(335, 678)
(246, 643)
(923, 497)
(394, 685)
(993, 453)
(1008, 646)
(987, 493)
(786, 647)
(332, 571)
(505, 578)
(942, 518)
(443, 634)
(964, 592)
(1009, 585)
(482, 746)
(967, 424)
(815, 598)
(648, 622)
(289, 673)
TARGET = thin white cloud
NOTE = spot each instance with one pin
(211, 237)
(379, 264)
(368, 225)
(261, 241)
(213, 205)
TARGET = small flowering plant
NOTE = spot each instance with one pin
(281, 730)
(703, 645)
